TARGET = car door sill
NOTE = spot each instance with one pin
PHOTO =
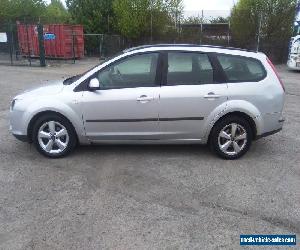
(148, 141)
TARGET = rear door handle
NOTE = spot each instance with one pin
(144, 99)
(212, 95)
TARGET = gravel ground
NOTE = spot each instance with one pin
(145, 197)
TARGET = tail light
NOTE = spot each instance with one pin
(276, 73)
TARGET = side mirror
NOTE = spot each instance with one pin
(94, 84)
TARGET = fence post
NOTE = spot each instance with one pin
(259, 31)
(73, 46)
(10, 42)
(28, 44)
(151, 22)
(101, 45)
(201, 27)
(41, 45)
(228, 34)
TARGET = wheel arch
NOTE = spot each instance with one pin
(241, 114)
(45, 112)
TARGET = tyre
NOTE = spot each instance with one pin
(54, 136)
(231, 137)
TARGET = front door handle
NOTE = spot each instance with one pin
(144, 99)
(212, 95)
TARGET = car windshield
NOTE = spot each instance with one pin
(73, 79)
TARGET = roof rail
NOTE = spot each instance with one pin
(229, 48)
(185, 45)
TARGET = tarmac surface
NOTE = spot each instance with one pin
(145, 197)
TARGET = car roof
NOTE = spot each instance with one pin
(195, 47)
(185, 46)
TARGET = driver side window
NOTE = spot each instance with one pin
(134, 71)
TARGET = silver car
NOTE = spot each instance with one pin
(224, 97)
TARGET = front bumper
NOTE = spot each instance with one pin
(17, 125)
(23, 138)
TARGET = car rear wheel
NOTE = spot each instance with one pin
(231, 137)
(54, 136)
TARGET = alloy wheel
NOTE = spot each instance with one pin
(232, 139)
(53, 137)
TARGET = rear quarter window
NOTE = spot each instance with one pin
(241, 69)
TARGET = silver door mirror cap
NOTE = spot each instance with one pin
(94, 84)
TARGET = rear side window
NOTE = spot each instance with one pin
(241, 69)
(188, 68)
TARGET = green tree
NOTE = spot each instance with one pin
(95, 15)
(192, 20)
(132, 17)
(21, 10)
(219, 19)
(4, 10)
(147, 18)
(57, 13)
(198, 20)
(175, 10)
(32, 11)
(272, 19)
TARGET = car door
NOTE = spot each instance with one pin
(126, 105)
(189, 94)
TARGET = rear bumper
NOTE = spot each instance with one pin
(273, 125)
(293, 65)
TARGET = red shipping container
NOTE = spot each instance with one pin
(61, 41)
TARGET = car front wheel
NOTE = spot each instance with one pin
(231, 137)
(54, 136)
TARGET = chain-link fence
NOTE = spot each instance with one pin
(252, 30)
(102, 45)
(21, 43)
(10, 48)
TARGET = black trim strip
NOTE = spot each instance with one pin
(126, 120)
(182, 119)
(219, 74)
(150, 119)
(268, 134)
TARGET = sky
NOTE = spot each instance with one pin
(194, 5)
(211, 8)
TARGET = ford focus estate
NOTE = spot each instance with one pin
(223, 97)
